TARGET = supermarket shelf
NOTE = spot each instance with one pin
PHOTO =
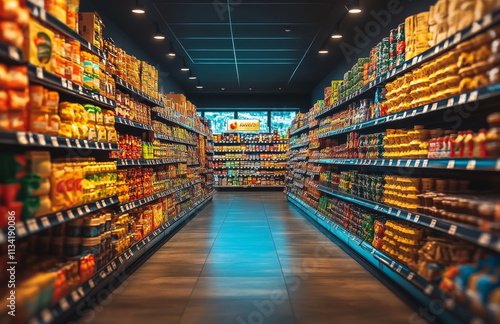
(174, 139)
(299, 171)
(38, 224)
(298, 185)
(183, 199)
(300, 130)
(248, 151)
(218, 159)
(472, 96)
(139, 202)
(299, 145)
(30, 139)
(54, 23)
(471, 234)
(412, 283)
(209, 152)
(39, 75)
(477, 27)
(207, 171)
(248, 167)
(166, 118)
(131, 123)
(250, 142)
(193, 164)
(116, 267)
(478, 164)
(131, 89)
(132, 162)
(248, 175)
(298, 158)
(10, 53)
(249, 186)
(312, 174)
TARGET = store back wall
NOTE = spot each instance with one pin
(256, 101)
(366, 35)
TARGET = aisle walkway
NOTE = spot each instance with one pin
(250, 257)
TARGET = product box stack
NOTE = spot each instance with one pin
(149, 80)
(417, 34)
(90, 27)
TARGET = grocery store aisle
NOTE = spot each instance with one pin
(250, 257)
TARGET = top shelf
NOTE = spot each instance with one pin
(133, 90)
(166, 118)
(54, 23)
(477, 27)
(249, 142)
(300, 130)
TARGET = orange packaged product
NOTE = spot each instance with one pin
(17, 77)
(4, 76)
(18, 100)
(44, 121)
(11, 33)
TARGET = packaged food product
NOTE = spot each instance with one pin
(39, 46)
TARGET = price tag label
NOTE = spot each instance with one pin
(472, 96)
(20, 229)
(98, 204)
(373, 251)
(414, 60)
(39, 73)
(417, 218)
(389, 210)
(102, 274)
(13, 53)
(32, 225)
(484, 239)
(475, 27)
(41, 139)
(436, 49)
(428, 290)
(398, 163)
(63, 303)
(451, 164)
(78, 144)
(434, 106)
(433, 223)
(452, 230)
(21, 138)
(408, 216)
(392, 264)
(462, 99)
(425, 163)
(80, 90)
(64, 84)
(68, 142)
(410, 276)
(79, 211)
(398, 270)
(450, 102)
(404, 114)
(426, 108)
(70, 214)
(87, 209)
(91, 283)
(398, 213)
(75, 296)
(390, 162)
(120, 259)
(471, 165)
(45, 222)
(417, 163)
(420, 58)
(86, 144)
(60, 217)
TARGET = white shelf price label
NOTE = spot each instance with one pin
(417, 163)
(70, 214)
(398, 213)
(45, 222)
(63, 303)
(389, 210)
(21, 138)
(471, 165)
(434, 106)
(68, 142)
(41, 139)
(426, 108)
(472, 96)
(390, 162)
(20, 229)
(86, 144)
(451, 164)
(32, 225)
(87, 209)
(398, 163)
(392, 264)
(78, 144)
(425, 163)
(450, 102)
(462, 99)
(75, 296)
(98, 204)
(79, 211)
(452, 230)
(60, 217)
(428, 290)
(373, 251)
(13, 53)
(417, 218)
(410, 276)
(433, 223)
(408, 216)
(39, 73)
(91, 283)
(398, 270)
(484, 239)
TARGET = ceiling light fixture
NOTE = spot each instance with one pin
(199, 86)
(353, 7)
(184, 68)
(250, 89)
(223, 89)
(138, 9)
(336, 32)
(158, 35)
(191, 76)
(288, 29)
(171, 52)
(324, 49)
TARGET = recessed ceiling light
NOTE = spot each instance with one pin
(250, 89)
(280, 88)
(223, 89)
(288, 29)
(158, 35)
(192, 77)
(353, 7)
(184, 68)
(138, 9)
(323, 51)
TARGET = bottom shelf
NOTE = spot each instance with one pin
(114, 270)
(250, 186)
(434, 301)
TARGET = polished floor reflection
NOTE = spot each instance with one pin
(250, 257)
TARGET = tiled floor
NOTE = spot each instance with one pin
(250, 257)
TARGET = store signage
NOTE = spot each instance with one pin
(242, 125)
